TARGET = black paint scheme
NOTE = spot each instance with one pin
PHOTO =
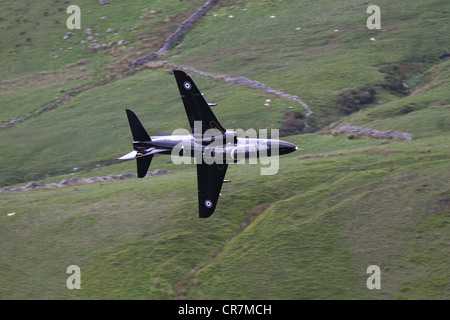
(210, 177)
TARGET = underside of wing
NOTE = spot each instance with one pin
(210, 179)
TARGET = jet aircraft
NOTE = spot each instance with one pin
(210, 144)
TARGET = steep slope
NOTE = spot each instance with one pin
(317, 50)
(309, 232)
(385, 206)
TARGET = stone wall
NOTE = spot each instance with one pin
(74, 181)
(176, 36)
(389, 134)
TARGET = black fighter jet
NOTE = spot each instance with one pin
(210, 144)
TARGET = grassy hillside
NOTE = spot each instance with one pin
(309, 232)
(33, 32)
(331, 51)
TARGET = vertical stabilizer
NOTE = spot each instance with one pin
(141, 141)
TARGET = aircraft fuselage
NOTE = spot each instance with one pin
(220, 151)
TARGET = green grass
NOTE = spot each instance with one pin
(316, 63)
(327, 219)
(317, 244)
(44, 23)
(308, 232)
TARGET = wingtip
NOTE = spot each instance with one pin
(180, 72)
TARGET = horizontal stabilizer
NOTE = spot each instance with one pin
(135, 154)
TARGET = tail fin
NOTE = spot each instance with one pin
(141, 142)
(197, 109)
(138, 131)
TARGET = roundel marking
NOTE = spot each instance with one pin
(187, 85)
(208, 203)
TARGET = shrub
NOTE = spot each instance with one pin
(294, 123)
(353, 100)
(407, 108)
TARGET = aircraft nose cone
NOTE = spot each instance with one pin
(287, 147)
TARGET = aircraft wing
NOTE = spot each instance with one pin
(210, 179)
(197, 109)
